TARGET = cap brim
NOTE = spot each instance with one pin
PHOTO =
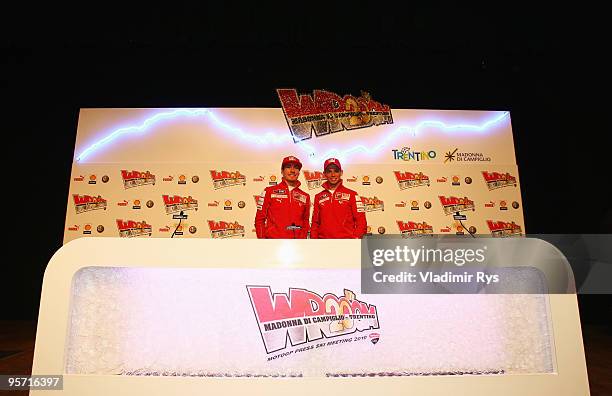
(292, 162)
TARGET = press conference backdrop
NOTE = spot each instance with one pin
(197, 173)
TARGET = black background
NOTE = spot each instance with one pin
(538, 64)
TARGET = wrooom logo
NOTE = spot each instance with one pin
(302, 316)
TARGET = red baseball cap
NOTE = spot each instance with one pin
(291, 160)
(331, 161)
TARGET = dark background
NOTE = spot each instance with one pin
(538, 64)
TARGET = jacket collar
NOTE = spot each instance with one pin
(284, 184)
(339, 186)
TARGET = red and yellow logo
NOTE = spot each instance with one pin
(304, 316)
(504, 229)
(223, 179)
(87, 203)
(372, 204)
(223, 229)
(175, 204)
(409, 180)
(131, 228)
(411, 228)
(326, 112)
(314, 179)
(497, 180)
(136, 178)
(452, 205)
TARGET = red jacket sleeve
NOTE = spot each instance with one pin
(306, 218)
(262, 213)
(314, 228)
(361, 225)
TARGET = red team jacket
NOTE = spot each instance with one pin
(278, 208)
(340, 214)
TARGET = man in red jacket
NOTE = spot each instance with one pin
(338, 211)
(283, 211)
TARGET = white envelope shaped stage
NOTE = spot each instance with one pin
(160, 316)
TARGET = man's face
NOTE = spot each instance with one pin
(333, 175)
(291, 172)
